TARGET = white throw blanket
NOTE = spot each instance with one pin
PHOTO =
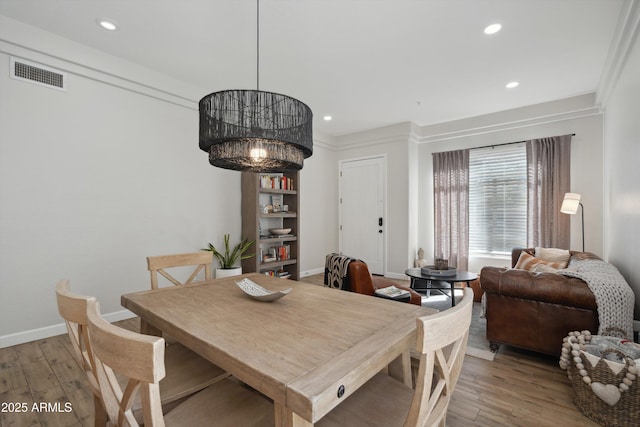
(614, 297)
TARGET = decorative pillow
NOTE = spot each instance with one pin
(553, 255)
(541, 267)
(528, 262)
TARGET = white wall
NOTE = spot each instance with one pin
(413, 209)
(575, 115)
(622, 151)
(94, 179)
(319, 207)
(393, 143)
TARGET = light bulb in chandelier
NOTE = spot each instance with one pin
(258, 154)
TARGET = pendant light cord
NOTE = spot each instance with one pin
(257, 44)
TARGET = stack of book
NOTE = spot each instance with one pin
(276, 182)
(283, 252)
(275, 253)
(281, 274)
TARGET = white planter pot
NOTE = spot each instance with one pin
(228, 272)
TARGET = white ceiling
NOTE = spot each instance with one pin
(367, 63)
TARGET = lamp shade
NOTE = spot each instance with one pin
(570, 203)
(253, 130)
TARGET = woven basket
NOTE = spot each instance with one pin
(625, 412)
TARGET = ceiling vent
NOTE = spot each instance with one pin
(38, 74)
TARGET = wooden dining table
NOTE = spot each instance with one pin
(307, 351)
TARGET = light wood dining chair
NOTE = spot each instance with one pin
(384, 401)
(73, 309)
(200, 260)
(187, 372)
(141, 359)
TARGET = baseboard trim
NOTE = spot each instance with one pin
(312, 272)
(398, 276)
(53, 330)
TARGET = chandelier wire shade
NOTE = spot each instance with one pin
(254, 130)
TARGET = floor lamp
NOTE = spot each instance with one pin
(570, 206)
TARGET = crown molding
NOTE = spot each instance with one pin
(325, 141)
(399, 132)
(621, 45)
(534, 119)
(36, 45)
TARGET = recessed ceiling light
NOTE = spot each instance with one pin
(492, 29)
(327, 118)
(511, 85)
(106, 24)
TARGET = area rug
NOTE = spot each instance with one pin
(477, 346)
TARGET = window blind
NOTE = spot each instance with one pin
(497, 199)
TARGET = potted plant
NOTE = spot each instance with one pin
(230, 257)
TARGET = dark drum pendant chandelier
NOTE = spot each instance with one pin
(253, 130)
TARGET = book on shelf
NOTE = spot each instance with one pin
(276, 203)
(281, 274)
(276, 182)
(276, 253)
(283, 252)
(391, 292)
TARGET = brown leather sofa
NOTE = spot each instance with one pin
(535, 311)
(362, 282)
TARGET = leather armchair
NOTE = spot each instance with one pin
(362, 282)
(535, 311)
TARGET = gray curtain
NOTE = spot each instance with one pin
(451, 206)
(548, 178)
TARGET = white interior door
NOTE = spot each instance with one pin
(362, 208)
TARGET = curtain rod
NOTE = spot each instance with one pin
(498, 145)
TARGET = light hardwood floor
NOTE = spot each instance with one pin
(517, 389)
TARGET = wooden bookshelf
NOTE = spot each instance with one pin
(258, 193)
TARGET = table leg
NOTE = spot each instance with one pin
(453, 293)
(298, 421)
(453, 296)
(286, 418)
(413, 285)
(282, 417)
(400, 368)
(148, 329)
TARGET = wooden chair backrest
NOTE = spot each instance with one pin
(200, 260)
(139, 358)
(73, 309)
(441, 344)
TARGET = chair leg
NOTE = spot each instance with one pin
(100, 415)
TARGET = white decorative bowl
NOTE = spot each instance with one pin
(259, 293)
(280, 231)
